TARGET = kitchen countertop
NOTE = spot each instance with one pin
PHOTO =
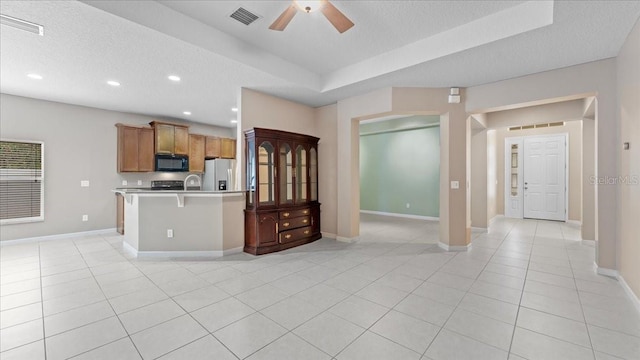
(170, 192)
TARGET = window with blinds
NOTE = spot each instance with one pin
(21, 181)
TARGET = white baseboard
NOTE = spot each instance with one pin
(574, 222)
(589, 242)
(346, 239)
(59, 236)
(329, 235)
(493, 219)
(478, 228)
(607, 272)
(630, 293)
(446, 247)
(180, 254)
(408, 216)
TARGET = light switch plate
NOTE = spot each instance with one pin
(455, 185)
(85, 217)
(84, 183)
(139, 182)
(124, 182)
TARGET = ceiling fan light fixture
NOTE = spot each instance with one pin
(309, 6)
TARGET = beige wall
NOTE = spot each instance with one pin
(454, 217)
(628, 77)
(479, 179)
(574, 129)
(598, 78)
(492, 175)
(326, 122)
(80, 143)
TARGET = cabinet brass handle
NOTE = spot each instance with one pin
(305, 212)
(285, 224)
(286, 214)
(287, 236)
(306, 232)
(305, 221)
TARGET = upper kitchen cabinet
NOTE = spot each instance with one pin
(171, 138)
(220, 148)
(135, 148)
(282, 182)
(196, 153)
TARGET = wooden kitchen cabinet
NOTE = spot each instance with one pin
(212, 147)
(196, 153)
(220, 148)
(282, 209)
(135, 148)
(227, 148)
(171, 138)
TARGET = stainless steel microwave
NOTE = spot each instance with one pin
(168, 162)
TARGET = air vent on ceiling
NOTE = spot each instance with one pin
(244, 16)
(536, 126)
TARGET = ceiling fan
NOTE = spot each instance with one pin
(337, 18)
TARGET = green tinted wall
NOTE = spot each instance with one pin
(400, 164)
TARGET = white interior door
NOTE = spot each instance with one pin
(545, 177)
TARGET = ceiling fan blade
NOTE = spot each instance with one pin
(337, 18)
(283, 20)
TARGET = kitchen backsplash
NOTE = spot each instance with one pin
(146, 178)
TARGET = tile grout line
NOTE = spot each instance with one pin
(515, 324)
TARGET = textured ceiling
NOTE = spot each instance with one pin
(394, 43)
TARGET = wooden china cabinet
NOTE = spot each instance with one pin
(282, 190)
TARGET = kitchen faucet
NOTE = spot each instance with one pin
(189, 177)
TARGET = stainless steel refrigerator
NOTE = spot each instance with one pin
(218, 175)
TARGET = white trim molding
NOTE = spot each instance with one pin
(180, 254)
(329, 235)
(111, 231)
(630, 293)
(408, 216)
(607, 272)
(574, 222)
(588, 242)
(346, 239)
(446, 247)
(627, 289)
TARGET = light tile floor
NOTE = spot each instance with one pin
(526, 290)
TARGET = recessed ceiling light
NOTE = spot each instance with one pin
(35, 76)
(234, 121)
(234, 109)
(113, 83)
(173, 78)
(187, 112)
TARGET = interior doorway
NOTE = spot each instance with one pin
(536, 177)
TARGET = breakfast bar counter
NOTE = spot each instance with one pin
(183, 223)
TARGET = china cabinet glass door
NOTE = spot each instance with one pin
(301, 174)
(266, 176)
(285, 174)
(251, 171)
(313, 174)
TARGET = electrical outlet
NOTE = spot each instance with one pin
(408, 205)
(84, 183)
(169, 233)
(139, 182)
(124, 182)
(455, 184)
(85, 217)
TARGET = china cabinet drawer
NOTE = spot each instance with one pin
(294, 223)
(295, 234)
(288, 214)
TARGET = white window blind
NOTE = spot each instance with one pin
(21, 181)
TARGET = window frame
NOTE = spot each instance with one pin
(31, 219)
